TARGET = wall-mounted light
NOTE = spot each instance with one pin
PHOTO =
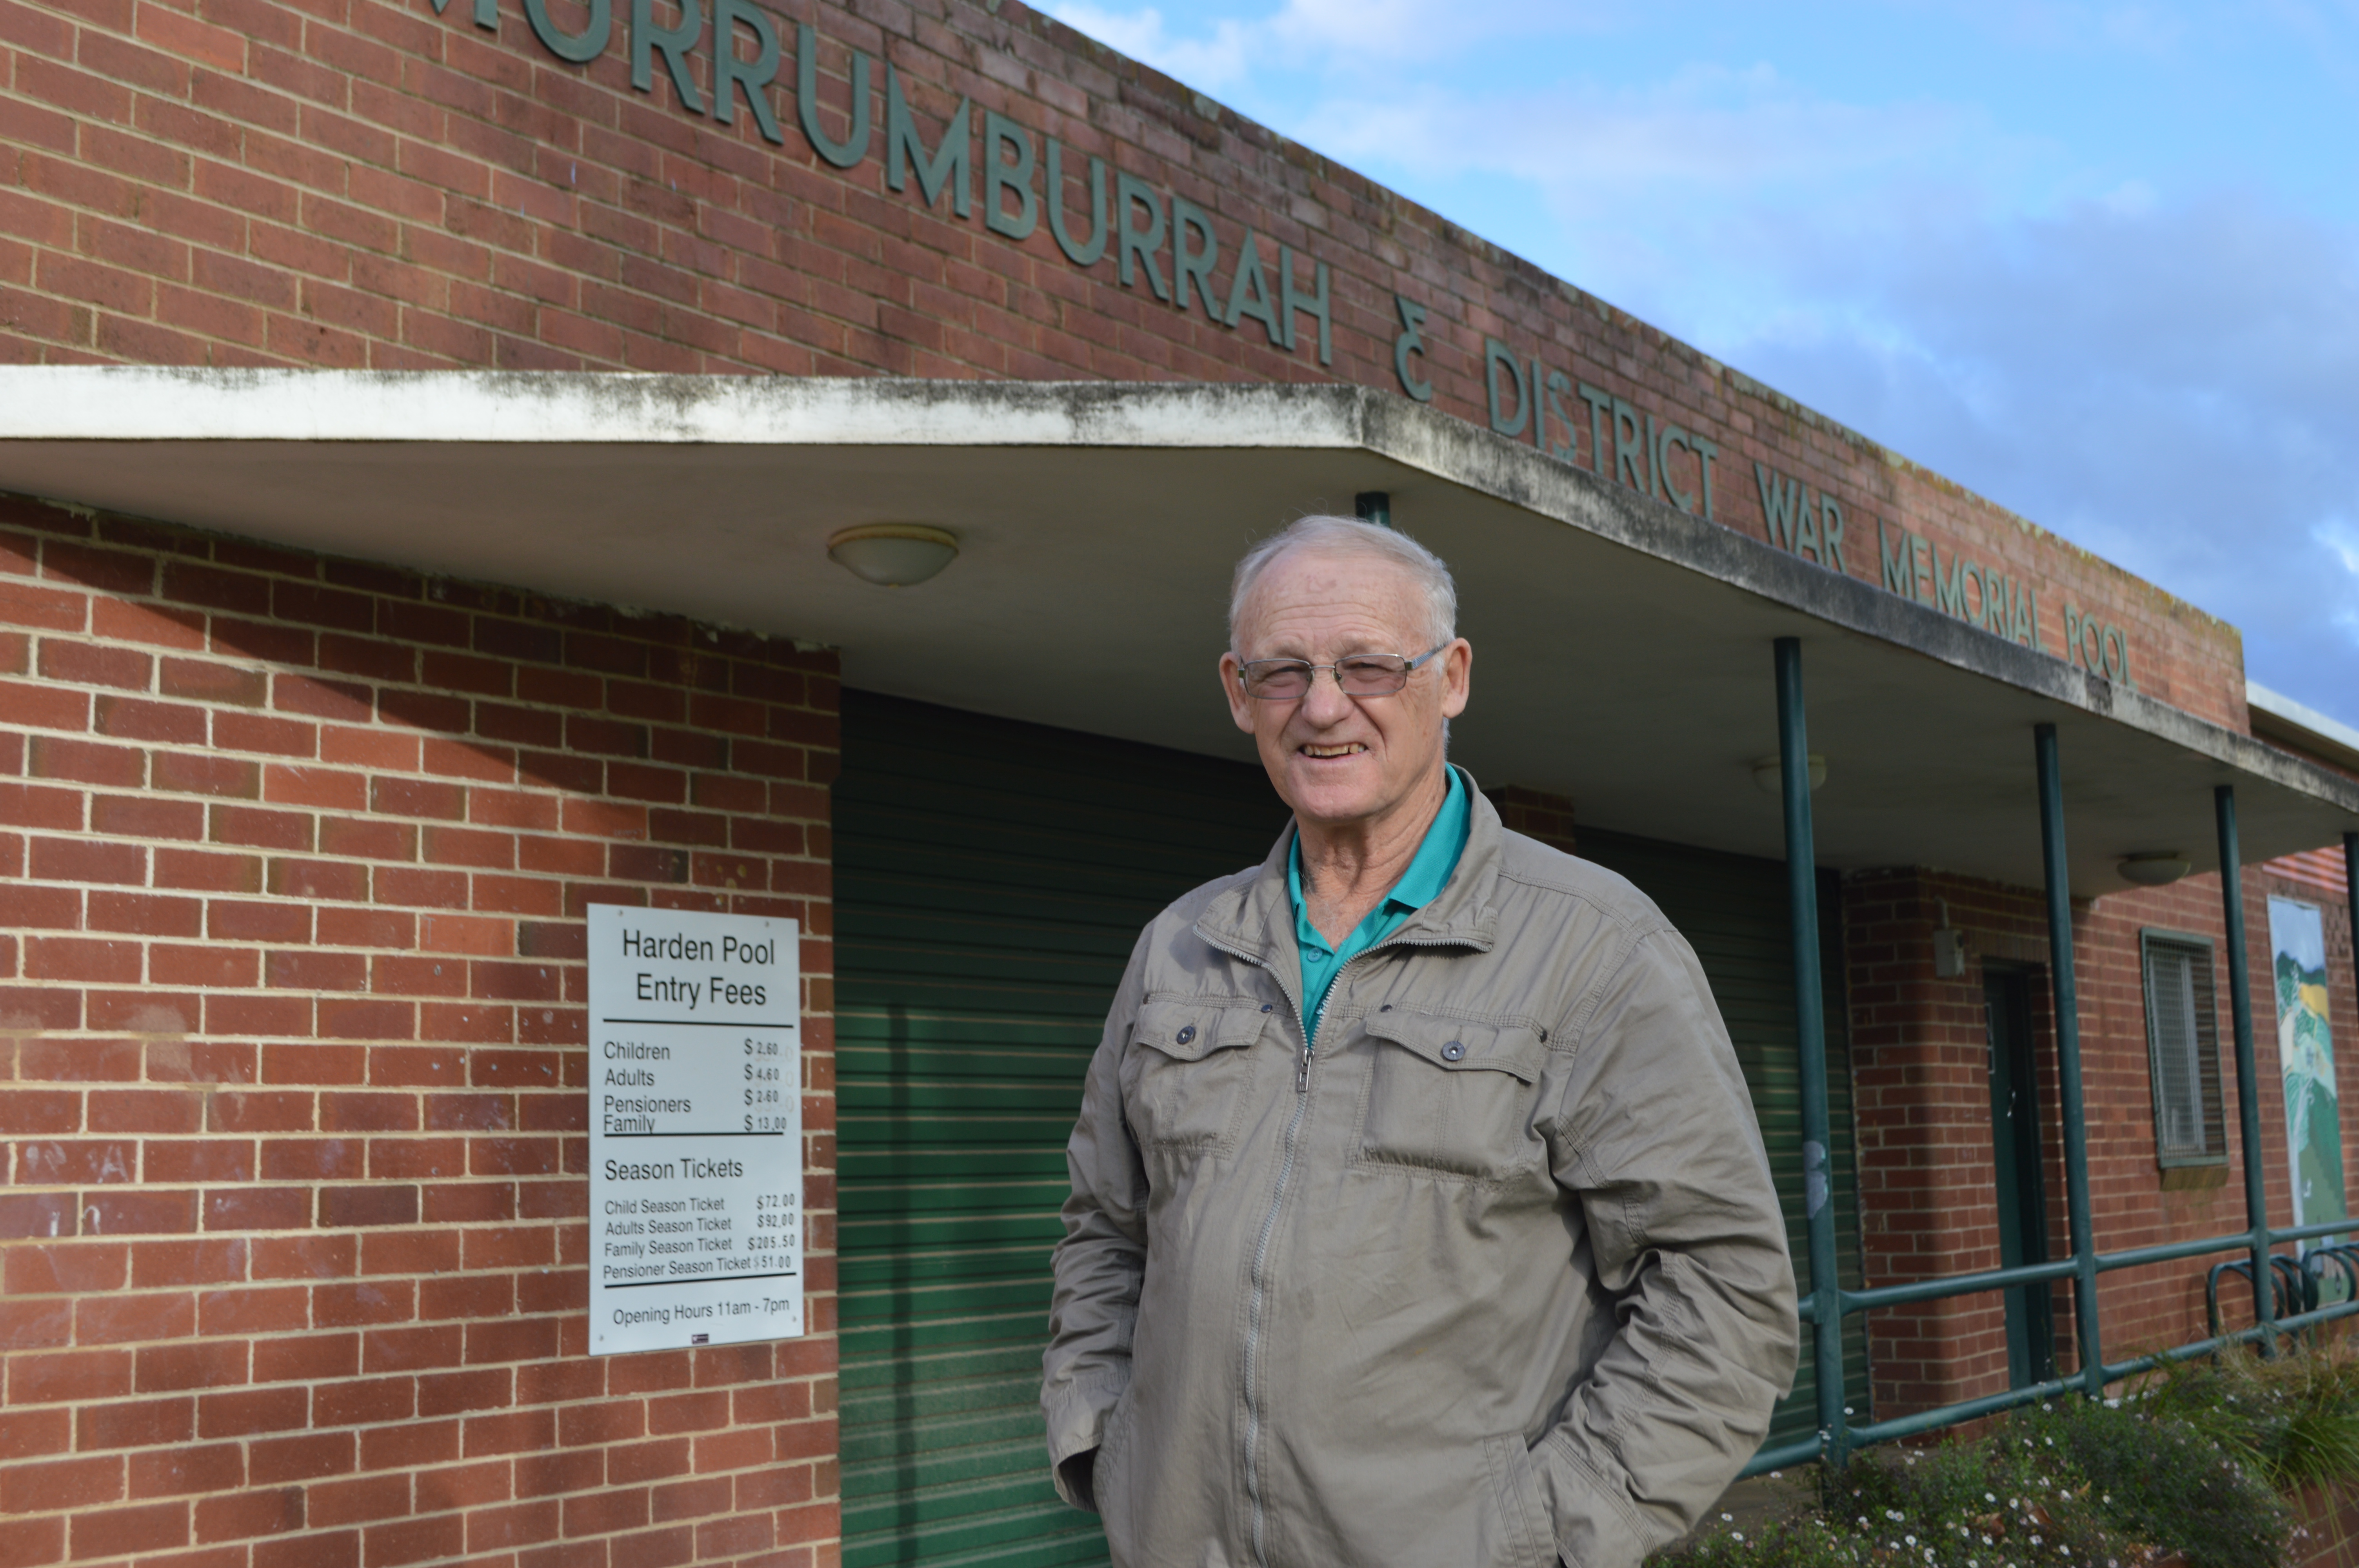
(2154, 868)
(1949, 946)
(1768, 772)
(893, 554)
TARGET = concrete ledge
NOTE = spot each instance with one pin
(65, 422)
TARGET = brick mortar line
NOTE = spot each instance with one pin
(279, 669)
(38, 636)
(620, 622)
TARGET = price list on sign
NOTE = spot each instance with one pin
(696, 1174)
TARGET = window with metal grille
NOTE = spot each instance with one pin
(2184, 1049)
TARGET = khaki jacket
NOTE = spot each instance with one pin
(1495, 1277)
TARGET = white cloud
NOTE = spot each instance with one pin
(1334, 33)
(1708, 127)
(2071, 25)
(1213, 63)
(2338, 535)
(1428, 30)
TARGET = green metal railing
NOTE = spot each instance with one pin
(1827, 1303)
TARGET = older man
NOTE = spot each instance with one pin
(1420, 1216)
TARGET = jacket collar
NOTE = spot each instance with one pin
(1256, 918)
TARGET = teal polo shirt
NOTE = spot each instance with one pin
(1427, 874)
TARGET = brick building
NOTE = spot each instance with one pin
(424, 432)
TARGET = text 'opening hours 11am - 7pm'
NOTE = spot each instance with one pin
(696, 1188)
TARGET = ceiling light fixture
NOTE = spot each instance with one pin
(1768, 772)
(893, 554)
(2154, 868)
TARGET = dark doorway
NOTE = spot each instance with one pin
(2022, 1190)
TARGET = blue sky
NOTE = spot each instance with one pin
(2098, 263)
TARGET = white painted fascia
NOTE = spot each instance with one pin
(145, 403)
(116, 405)
(2329, 737)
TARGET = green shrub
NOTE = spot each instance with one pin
(2167, 1484)
(2294, 1419)
(2071, 1485)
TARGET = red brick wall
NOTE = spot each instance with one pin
(1538, 815)
(2320, 872)
(364, 183)
(1925, 1122)
(1922, 1108)
(294, 854)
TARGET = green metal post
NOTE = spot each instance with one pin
(2068, 1058)
(1810, 1045)
(2248, 1086)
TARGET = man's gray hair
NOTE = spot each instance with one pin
(1349, 536)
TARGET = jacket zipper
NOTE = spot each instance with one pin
(1310, 1038)
(1259, 1276)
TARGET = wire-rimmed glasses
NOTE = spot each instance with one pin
(1358, 675)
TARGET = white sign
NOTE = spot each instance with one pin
(696, 1171)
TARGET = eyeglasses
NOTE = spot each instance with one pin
(1362, 675)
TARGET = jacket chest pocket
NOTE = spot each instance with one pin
(1191, 1072)
(1451, 1095)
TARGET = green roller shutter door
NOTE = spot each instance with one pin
(990, 878)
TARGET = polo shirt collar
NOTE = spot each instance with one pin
(1254, 919)
(1428, 869)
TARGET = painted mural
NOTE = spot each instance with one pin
(2306, 1060)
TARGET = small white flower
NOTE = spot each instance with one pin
(1910, 1538)
(1736, 1535)
(1728, 1518)
(1895, 1515)
(1990, 1496)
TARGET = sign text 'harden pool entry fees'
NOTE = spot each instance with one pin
(696, 1170)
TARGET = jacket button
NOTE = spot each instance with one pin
(1269, 1007)
(1186, 1035)
(1454, 1052)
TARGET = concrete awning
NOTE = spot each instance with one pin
(1623, 646)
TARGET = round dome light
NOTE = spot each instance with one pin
(2154, 868)
(1771, 774)
(893, 554)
